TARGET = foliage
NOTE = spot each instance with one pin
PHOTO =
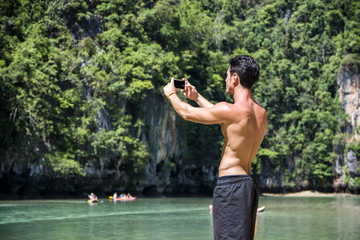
(63, 164)
(75, 73)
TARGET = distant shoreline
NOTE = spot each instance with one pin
(310, 194)
(307, 193)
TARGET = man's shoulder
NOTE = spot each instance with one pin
(259, 105)
(231, 108)
(224, 110)
(260, 110)
(225, 106)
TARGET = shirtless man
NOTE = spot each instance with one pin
(243, 125)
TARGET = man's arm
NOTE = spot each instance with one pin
(191, 93)
(202, 102)
(210, 115)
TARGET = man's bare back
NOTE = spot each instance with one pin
(242, 137)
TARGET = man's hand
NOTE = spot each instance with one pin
(169, 88)
(190, 91)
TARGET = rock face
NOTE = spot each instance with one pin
(163, 141)
(349, 91)
(352, 163)
(349, 83)
(165, 172)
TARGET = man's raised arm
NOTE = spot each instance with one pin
(191, 93)
(206, 115)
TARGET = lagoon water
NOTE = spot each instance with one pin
(175, 218)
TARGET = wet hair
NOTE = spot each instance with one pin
(246, 68)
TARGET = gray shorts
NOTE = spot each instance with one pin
(235, 205)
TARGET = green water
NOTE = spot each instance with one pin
(175, 218)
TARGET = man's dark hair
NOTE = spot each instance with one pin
(246, 68)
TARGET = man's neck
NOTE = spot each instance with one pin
(242, 94)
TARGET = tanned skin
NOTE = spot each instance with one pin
(243, 123)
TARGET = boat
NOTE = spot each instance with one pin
(261, 209)
(93, 201)
(124, 199)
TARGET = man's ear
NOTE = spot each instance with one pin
(236, 79)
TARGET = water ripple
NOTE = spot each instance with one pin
(52, 218)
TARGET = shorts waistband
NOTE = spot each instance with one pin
(230, 179)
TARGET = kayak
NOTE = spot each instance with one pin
(124, 199)
(93, 201)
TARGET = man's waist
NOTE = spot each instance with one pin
(232, 179)
(232, 168)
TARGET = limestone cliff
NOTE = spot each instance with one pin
(349, 85)
(166, 171)
(163, 140)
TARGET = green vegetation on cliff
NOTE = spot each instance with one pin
(74, 75)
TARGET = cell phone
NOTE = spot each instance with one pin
(179, 84)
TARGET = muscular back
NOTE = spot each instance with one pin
(243, 134)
